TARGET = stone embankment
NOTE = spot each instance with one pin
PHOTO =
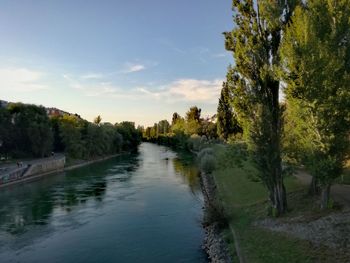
(33, 170)
(214, 245)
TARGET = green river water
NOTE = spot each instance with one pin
(142, 207)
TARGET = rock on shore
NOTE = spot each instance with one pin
(214, 245)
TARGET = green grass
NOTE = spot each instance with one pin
(245, 201)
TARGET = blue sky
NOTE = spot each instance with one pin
(124, 59)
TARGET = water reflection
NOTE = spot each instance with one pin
(184, 166)
(63, 191)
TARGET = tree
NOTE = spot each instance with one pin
(209, 128)
(175, 118)
(131, 136)
(98, 120)
(163, 127)
(226, 121)
(255, 40)
(70, 132)
(193, 114)
(193, 121)
(6, 132)
(177, 124)
(147, 133)
(32, 130)
(58, 145)
(316, 64)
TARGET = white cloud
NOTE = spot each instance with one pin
(221, 55)
(181, 90)
(196, 90)
(131, 68)
(92, 76)
(21, 80)
(100, 89)
(190, 90)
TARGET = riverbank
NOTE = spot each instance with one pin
(82, 163)
(24, 175)
(214, 244)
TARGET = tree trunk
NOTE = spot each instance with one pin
(325, 196)
(280, 196)
(314, 188)
(280, 200)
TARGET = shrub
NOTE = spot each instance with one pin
(233, 155)
(215, 213)
(207, 163)
(194, 143)
(205, 151)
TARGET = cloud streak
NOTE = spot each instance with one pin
(132, 68)
(196, 90)
(21, 80)
(187, 90)
(181, 90)
(92, 76)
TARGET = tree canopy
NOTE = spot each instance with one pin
(316, 68)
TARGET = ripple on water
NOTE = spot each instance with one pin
(134, 208)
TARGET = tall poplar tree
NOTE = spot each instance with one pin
(254, 41)
(316, 63)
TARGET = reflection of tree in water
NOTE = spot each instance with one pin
(33, 204)
(16, 215)
(189, 171)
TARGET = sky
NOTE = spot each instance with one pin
(133, 60)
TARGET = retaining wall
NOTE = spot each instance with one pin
(39, 168)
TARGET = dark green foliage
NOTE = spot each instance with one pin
(178, 134)
(209, 129)
(131, 136)
(193, 114)
(227, 123)
(26, 130)
(31, 130)
(6, 132)
(70, 128)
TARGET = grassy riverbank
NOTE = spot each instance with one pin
(245, 202)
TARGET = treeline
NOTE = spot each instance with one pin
(187, 132)
(27, 131)
(302, 48)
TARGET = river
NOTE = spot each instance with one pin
(142, 207)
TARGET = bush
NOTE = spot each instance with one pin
(233, 155)
(207, 163)
(215, 213)
(194, 143)
(204, 151)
